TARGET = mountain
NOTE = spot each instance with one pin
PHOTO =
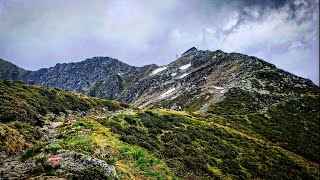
(198, 80)
(51, 133)
(206, 115)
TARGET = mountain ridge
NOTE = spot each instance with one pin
(196, 81)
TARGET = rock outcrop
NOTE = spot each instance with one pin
(74, 162)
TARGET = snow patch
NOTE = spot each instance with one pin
(185, 66)
(158, 70)
(173, 74)
(183, 75)
(174, 97)
(222, 90)
(218, 87)
(169, 92)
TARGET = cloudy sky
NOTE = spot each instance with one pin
(37, 33)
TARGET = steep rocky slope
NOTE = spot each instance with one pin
(198, 80)
(91, 138)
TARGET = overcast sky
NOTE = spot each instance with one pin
(38, 33)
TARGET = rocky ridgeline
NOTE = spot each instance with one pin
(195, 81)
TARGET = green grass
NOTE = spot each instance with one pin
(130, 161)
(32, 151)
(78, 143)
(17, 136)
(203, 148)
(293, 125)
(237, 101)
(26, 103)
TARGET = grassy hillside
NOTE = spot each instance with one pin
(292, 124)
(196, 147)
(10, 71)
(22, 102)
(281, 143)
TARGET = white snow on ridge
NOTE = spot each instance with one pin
(158, 70)
(185, 66)
(173, 74)
(167, 93)
(218, 87)
(222, 90)
(174, 97)
(183, 75)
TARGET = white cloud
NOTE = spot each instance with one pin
(231, 22)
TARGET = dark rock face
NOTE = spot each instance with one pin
(195, 81)
(79, 77)
(190, 50)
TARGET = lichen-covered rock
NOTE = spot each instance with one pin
(11, 168)
(74, 162)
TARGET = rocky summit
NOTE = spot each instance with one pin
(206, 115)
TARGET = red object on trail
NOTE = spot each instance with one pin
(54, 160)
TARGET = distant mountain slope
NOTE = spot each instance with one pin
(10, 71)
(98, 76)
(195, 81)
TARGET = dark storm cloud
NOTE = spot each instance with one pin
(37, 33)
(256, 10)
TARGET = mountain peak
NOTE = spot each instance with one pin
(190, 50)
(104, 61)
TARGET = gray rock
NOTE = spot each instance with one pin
(72, 161)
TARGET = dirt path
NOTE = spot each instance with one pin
(12, 168)
(52, 135)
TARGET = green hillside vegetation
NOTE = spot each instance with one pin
(17, 136)
(131, 161)
(25, 103)
(10, 71)
(293, 125)
(201, 148)
(281, 143)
